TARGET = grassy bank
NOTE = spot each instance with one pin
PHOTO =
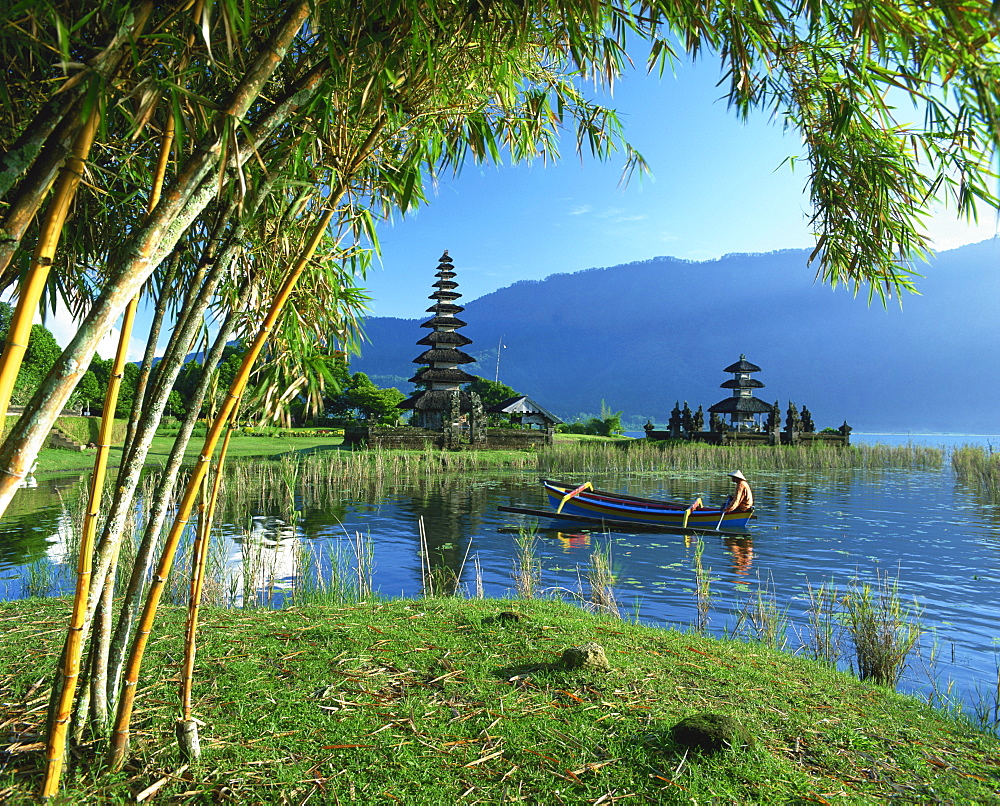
(450, 700)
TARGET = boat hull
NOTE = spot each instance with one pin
(602, 505)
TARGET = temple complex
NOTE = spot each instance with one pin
(751, 421)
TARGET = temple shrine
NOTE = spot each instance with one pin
(442, 401)
(445, 415)
(742, 407)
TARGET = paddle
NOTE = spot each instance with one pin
(723, 515)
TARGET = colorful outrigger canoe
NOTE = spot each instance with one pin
(584, 501)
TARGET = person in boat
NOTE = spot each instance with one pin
(742, 498)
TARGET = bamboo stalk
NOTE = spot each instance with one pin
(120, 735)
(186, 727)
(56, 741)
(13, 353)
(41, 262)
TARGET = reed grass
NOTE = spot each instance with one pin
(702, 589)
(601, 578)
(41, 579)
(978, 468)
(825, 629)
(761, 619)
(643, 456)
(883, 629)
(527, 563)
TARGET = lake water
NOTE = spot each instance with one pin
(938, 538)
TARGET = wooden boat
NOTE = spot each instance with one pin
(582, 524)
(585, 501)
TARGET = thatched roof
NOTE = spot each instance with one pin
(436, 337)
(442, 376)
(443, 284)
(523, 405)
(443, 321)
(742, 366)
(741, 405)
(447, 355)
(445, 308)
(742, 383)
(444, 296)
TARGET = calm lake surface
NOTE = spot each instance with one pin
(938, 538)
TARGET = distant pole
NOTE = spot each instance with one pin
(500, 346)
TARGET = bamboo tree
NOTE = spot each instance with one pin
(120, 736)
(41, 262)
(190, 192)
(157, 514)
(186, 727)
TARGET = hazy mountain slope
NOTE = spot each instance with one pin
(643, 335)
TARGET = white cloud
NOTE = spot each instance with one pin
(949, 232)
(581, 209)
(63, 327)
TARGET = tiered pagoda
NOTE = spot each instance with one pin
(742, 407)
(442, 401)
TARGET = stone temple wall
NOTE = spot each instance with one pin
(408, 437)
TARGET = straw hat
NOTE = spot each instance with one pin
(737, 475)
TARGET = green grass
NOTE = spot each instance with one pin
(439, 701)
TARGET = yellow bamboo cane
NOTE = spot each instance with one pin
(41, 261)
(56, 740)
(186, 727)
(120, 735)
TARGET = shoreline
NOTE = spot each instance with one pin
(427, 700)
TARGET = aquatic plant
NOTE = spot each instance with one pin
(645, 456)
(527, 563)
(702, 588)
(978, 468)
(601, 578)
(883, 629)
(823, 640)
(762, 619)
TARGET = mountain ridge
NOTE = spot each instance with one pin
(643, 335)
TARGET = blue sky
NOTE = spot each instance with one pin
(719, 185)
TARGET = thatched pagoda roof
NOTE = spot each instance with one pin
(433, 375)
(443, 321)
(444, 295)
(523, 405)
(447, 355)
(742, 366)
(437, 337)
(435, 401)
(742, 383)
(445, 308)
(740, 405)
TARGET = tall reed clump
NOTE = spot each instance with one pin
(762, 619)
(702, 589)
(343, 576)
(644, 456)
(527, 563)
(978, 468)
(883, 629)
(823, 640)
(601, 578)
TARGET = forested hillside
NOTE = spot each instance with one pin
(644, 335)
